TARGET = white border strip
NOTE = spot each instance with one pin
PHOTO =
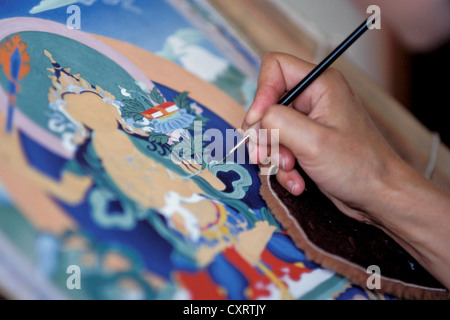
(20, 279)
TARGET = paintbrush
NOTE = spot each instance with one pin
(314, 74)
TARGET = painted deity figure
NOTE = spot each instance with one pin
(111, 158)
(124, 168)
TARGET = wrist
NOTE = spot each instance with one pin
(413, 211)
(396, 192)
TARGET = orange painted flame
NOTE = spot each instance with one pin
(6, 51)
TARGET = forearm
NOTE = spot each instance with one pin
(416, 213)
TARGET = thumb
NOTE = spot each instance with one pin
(296, 131)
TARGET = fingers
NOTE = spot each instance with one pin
(264, 144)
(326, 131)
(284, 159)
(287, 176)
(280, 156)
(279, 73)
(296, 132)
(292, 181)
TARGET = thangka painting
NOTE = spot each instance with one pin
(90, 187)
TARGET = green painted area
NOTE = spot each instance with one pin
(17, 228)
(96, 68)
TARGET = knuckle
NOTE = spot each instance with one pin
(333, 77)
(334, 74)
(272, 55)
(331, 81)
(319, 140)
(314, 151)
(269, 57)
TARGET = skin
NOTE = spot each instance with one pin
(329, 134)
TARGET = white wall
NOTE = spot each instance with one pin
(332, 21)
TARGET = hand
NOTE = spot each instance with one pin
(326, 131)
(330, 135)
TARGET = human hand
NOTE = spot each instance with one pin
(327, 131)
(335, 142)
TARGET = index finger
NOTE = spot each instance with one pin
(280, 72)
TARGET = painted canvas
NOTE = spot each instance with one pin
(187, 32)
(92, 183)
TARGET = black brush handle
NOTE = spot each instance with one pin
(324, 65)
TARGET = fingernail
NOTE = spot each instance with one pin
(291, 186)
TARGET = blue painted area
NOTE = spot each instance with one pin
(16, 61)
(228, 276)
(154, 250)
(283, 248)
(147, 24)
(252, 198)
(41, 158)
